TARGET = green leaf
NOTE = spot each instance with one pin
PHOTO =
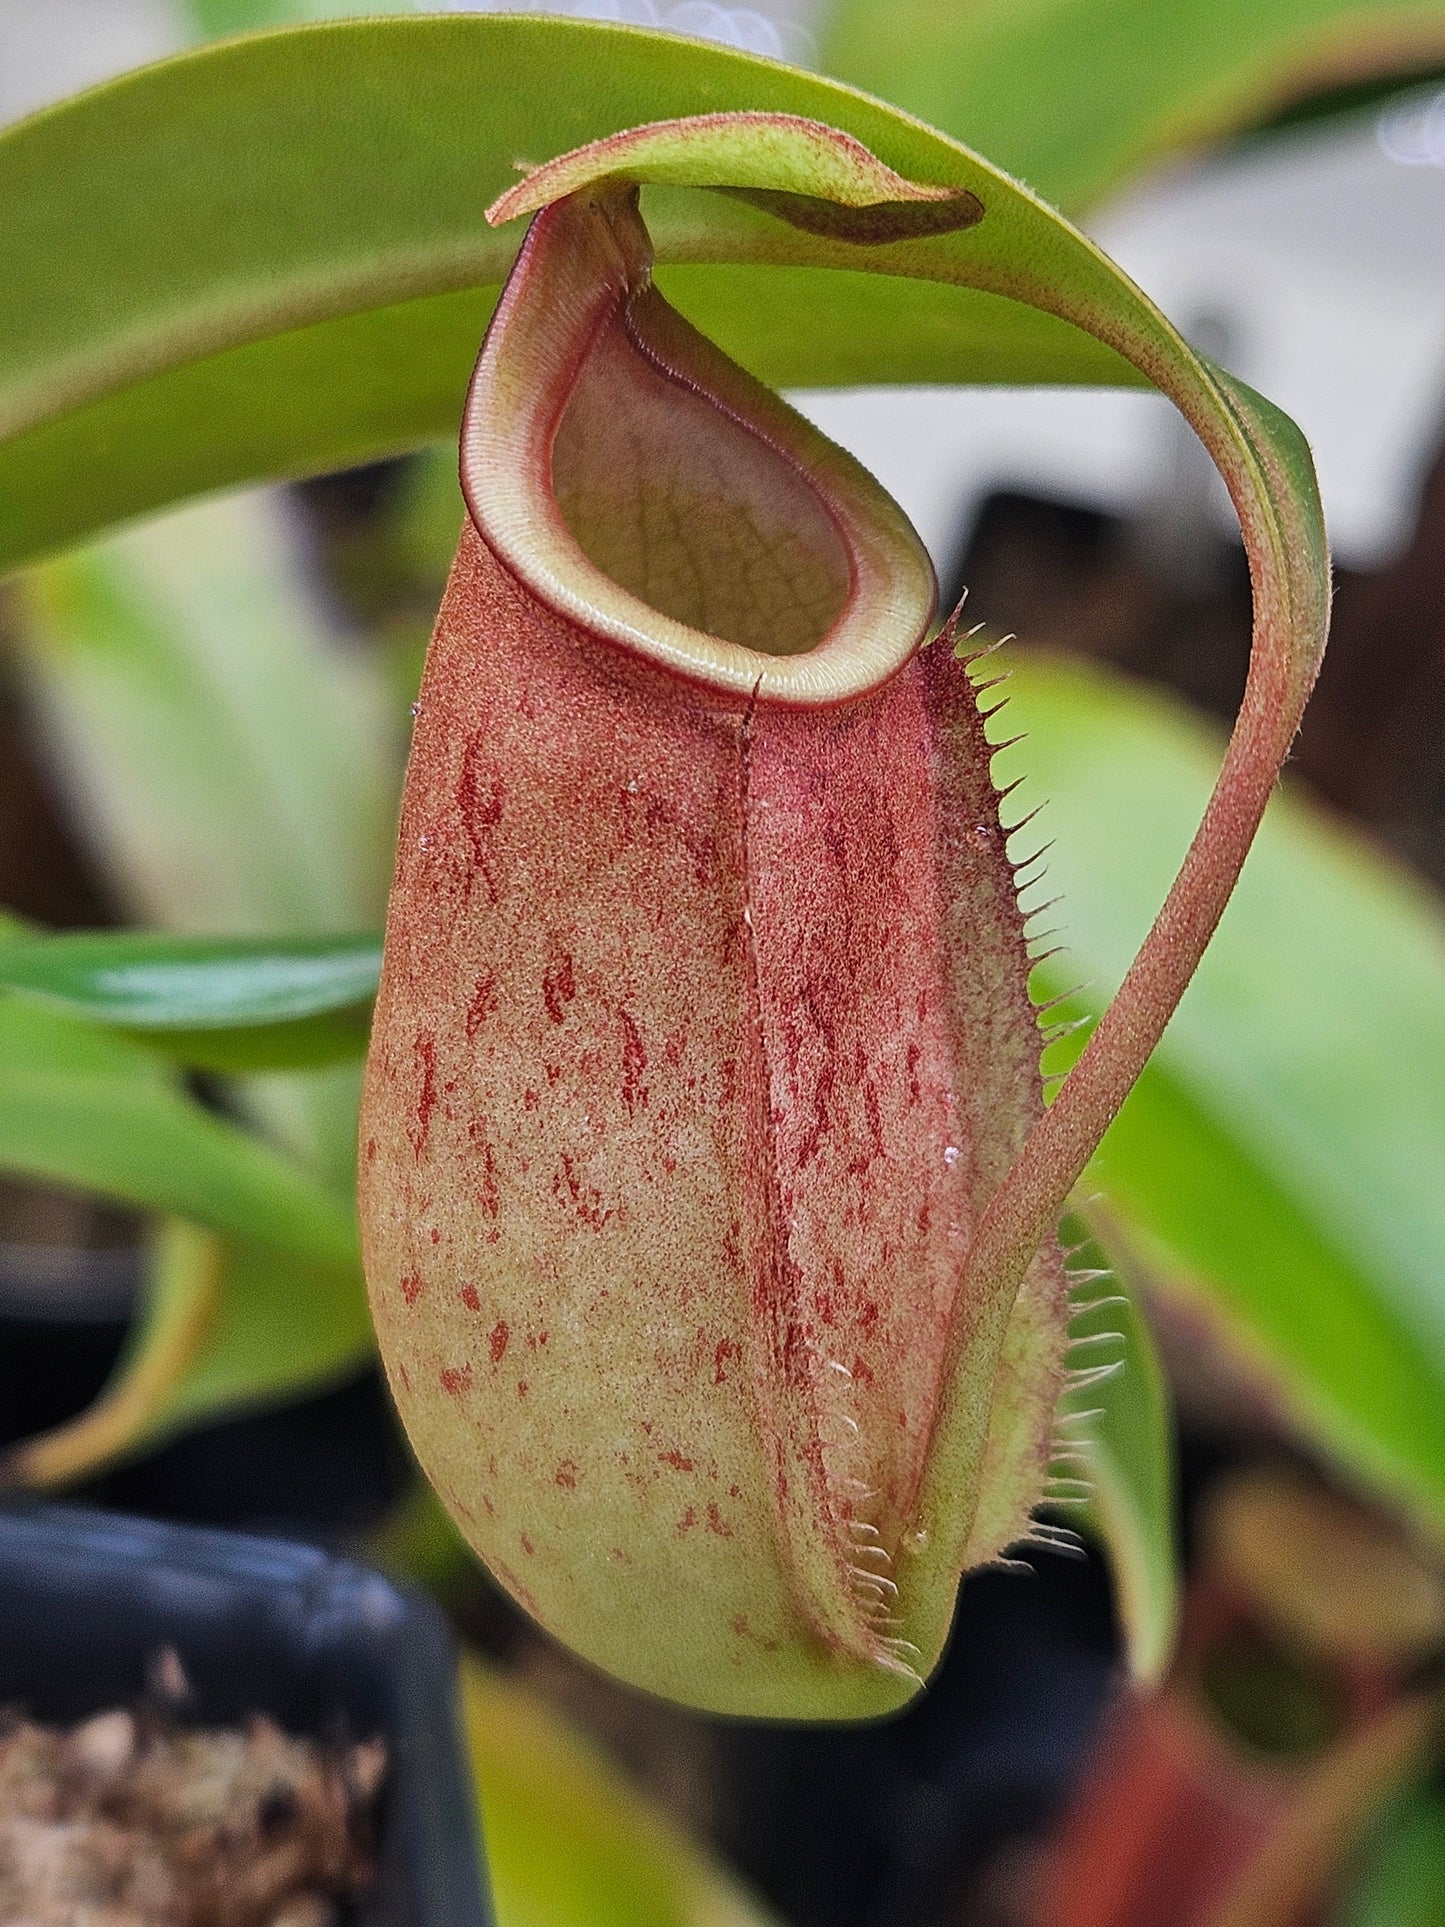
(214, 18)
(182, 1291)
(224, 1327)
(1074, 96)
(569, 1842)
(223, 1004)
(225, 750)
(1278, 1167)
(1126, 1457)
(230, 759)
(1219, 1228)
(88, 1110)
(283, 1327)
(343, 169)
(1402, 1880)
(268, 1310)
(310, 288)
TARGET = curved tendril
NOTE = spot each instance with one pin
(1285, 652)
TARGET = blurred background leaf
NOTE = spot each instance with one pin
(1281, 1163)
(181, 1306)
(227, 750)
(222, 1004)
(214, 19)
(1401, 1881)
(569, 1842)
(1117, 1419)
(1075, 96)
(84, 1109)
(229, 754)
(225, 1327)
(283, 1329)
(222, 740)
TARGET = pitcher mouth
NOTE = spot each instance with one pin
(648, 490)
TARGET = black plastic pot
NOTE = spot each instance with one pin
(89, 1599)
